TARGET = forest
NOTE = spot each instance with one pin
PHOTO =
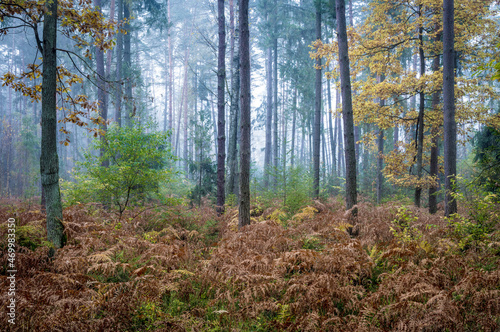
(250, 165)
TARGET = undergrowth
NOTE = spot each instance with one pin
(181, 269)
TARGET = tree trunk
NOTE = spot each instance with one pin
(221, 123)
(275, 111)
(127, 64)
(449, 126)
(435, 143)
(420, 122)
(101, 86)
(317, 110)
(232, 183)
(170, 79)
(49, 161)
(244, 209)
(269, 117)
(333, 142)
(119, 68)
(380, 154)
(294, 121)
(345, 79)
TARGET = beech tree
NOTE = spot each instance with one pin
(56, 81)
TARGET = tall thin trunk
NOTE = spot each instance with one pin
(420, 122)
(127, 64)
(101, 85)
(294, 121)
(338, 125)
(333, 143)
(119, 68)
(275, 108)
(221, 123)
(434, 168)
(244, 209)
(449, 126)
(232, 183)
(170, 78)
(49, 161)
(269, 117)
(380, 155)
(345, 79)
(317, 110)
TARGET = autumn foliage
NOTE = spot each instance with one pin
(178, 269)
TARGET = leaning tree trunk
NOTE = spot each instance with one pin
(345, 83)
(49, 161)
(317, 110)
(449, 125)
(221, 116)
(244, 209)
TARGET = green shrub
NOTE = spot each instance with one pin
(125, 167)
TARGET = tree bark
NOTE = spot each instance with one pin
(221, 116)
(244, 208)
(317, 110)
(345, 82)
(49, 161)
(449, 126)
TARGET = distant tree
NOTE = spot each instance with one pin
(244, 209)
(487, 158)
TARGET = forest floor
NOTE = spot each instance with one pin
(181, 269)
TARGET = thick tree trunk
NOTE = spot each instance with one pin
(317, 110)
(269, 117)
(221, 116)
(450, 126)
(49, 161)
(244, 209)
(345, 83)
